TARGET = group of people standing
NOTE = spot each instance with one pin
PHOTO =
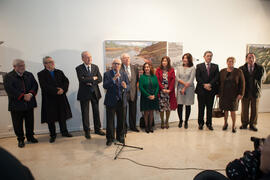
(121, 83)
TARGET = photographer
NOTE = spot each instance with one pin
(253, 165)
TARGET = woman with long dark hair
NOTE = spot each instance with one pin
(166, 80)
(148, 85)
(185, 88)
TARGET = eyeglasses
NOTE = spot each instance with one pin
(117, 64)
(49, 62)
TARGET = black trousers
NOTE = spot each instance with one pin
(206, 100)
(17, 120)
(52, 129)
(110, 116)
(85, 113)
(132, 113)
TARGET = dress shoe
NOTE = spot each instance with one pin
(225, 127)
(121, 140)
(253, 128)
(146, 129)
(67, 135)
(135, 130)
(87, 135)
(151, 130)
(21, 143)
(109, 142)
(243, 127)
(186, 125)
(200, 127)
(162, 125)
(233, 130)
(180, 124)
(52, 139)
(32, 140)
(100, 132)
(210, 128)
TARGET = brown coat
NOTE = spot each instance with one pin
(231, 85)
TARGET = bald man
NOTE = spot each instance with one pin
(89, 77)
(117, 85)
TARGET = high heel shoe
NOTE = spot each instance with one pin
(180, 124)
(225, 127)
(233, 130)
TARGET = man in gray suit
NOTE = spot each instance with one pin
(133, 77)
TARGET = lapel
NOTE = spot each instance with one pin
(92, 69)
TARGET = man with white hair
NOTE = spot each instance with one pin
(133, 78)
(21, 88)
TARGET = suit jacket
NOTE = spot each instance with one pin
(52, 103)
(112, 88)
(133, 82)
(255, 83)
(84, 92)
(171, 86)
(203, 78)
(16, 87)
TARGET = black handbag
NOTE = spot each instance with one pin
(217, 112)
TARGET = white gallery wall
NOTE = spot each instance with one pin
(62, 29)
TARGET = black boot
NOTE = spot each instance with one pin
(186, 125)
(180, 124)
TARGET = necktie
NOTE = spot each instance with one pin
(88, 70)
(250, 69)
(128, 73)
(208, 69)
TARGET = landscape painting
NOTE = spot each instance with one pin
(262, 53)
(142, 51)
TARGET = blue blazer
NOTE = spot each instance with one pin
(112, 88)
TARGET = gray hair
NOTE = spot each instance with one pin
(206, 52)
(82, 54)
(124, 54)
(17, 61)
(45, 58)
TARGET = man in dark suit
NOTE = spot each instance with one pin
(89, 77)
(133, 77)
(21, 88)
(55, 106)
(254, 74)
(207, 76)
(117, 85)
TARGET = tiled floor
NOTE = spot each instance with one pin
(78, 158)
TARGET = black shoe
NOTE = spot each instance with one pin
(243, 127)
(151, 130)
(121, 140)
(109, 142)
(32, 140)
(210, 128)
(180, 124)
(200, 127)
(146, 130)
(100, 132)
(52, 139)
(135, 130)
(186, 125)
(225, 127)
(67, 135)
(253, 128)
(21, 143)
(234, 130)
(87, 135)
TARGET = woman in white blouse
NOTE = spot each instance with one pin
(185, 88)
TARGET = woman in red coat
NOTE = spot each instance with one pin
(166, 80)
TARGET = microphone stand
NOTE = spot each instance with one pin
(124, 130)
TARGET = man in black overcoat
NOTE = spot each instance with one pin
(21, 88)
(55, 106)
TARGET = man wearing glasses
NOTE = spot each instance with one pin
(55, 106)
(117, 85)
(21, 88)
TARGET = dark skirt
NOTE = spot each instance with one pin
(228, 101)
(148, 105)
